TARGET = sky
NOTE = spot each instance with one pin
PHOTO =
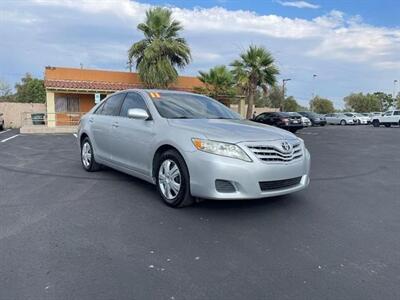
(351, 45)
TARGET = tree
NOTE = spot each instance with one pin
(255, 69)
(275, 96)
(161, 51)
(321, 105)
(30, 90)
(5, 89)
(398, 101)
(290, 104)
(218, 82)
(386, 100)
(362, 103)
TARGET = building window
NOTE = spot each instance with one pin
(67, 103)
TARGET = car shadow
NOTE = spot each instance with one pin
(287, 202)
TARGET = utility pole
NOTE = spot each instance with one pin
(394, 88)
(313, 92)
(283, 92)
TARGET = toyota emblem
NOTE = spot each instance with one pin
(286, 146)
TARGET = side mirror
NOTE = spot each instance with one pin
(138, 113)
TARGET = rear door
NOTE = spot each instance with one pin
(102, 122)
(132, 138)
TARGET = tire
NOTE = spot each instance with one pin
(343, 122)
(388, 125)
(2, 127)
(375, 123)
(172, 171)
(358, 122)
(322, 124)
(87, 156)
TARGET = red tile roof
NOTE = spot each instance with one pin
(88, 85)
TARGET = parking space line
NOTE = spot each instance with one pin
(5, 131)
(10, 138)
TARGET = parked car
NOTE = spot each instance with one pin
(191, 146)
(340, 119)
(306, 121)
(316, 119)
(280, 119)
(360, 118)
(1, 121)
(389, 118)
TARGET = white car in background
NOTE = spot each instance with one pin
(306, 121)
(361, 119)
(340, 119)
(1, 121)
(389, 118)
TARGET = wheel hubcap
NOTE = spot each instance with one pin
(169, 179)
(86, 155)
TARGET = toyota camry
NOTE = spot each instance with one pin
(191, 146)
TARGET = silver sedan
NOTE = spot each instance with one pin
(191, 146)
(340, 119)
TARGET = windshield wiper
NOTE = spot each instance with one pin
(222, 118)
(180, 117)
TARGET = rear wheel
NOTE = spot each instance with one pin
(1, 127)
(343, 122)
(172, 178)
(375, 123)
(87, 156)
(387, 125)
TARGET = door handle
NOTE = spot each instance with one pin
(91, 120)
(115, 125)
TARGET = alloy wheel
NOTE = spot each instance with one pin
(86, 154)
(169, 179)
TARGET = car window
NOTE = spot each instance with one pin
(388, 113)
(112, 105)
(262, 116)
(397, 113)
(132, 100)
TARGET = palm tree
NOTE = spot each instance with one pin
(255, 69)
(161, 51)
(218, 82)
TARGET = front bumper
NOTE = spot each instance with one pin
(205, 169)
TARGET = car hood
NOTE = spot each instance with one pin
(232, 131)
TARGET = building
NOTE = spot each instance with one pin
(71, 92)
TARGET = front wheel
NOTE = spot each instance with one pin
(173, 182)
(387, 125)
(343, 122)
(375, 123)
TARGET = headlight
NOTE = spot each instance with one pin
(220, 148)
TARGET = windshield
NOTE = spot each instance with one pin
(295, 114)
(190, 106)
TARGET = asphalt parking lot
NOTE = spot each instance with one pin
(68, 234)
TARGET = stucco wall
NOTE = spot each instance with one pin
(13, 112)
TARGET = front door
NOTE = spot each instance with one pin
(132, 137)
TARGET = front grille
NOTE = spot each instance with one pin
(279, 184)
(224, 186)
(274, 154)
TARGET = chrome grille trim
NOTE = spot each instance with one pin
(271, 153)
